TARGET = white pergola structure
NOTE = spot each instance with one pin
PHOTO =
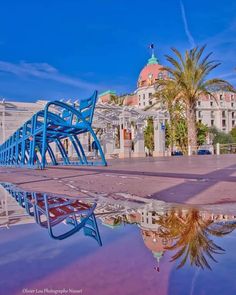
(122, 130)
(119, 128)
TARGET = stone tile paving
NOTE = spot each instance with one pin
(192, 180)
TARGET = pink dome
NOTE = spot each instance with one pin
(151, 73)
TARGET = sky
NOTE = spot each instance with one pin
(68, 48)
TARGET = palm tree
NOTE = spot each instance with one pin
(168, 97)
(189, 74)
(149, 135)
(117, 99)
(191, 235)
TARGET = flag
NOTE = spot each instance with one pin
(151, 46)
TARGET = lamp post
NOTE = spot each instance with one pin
(3, 125)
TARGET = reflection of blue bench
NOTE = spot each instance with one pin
(56, 213)
(23, 198)
(90, 227)
(51, 211)
(34, 143)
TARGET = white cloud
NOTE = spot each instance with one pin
(46, 72)
(186, 27)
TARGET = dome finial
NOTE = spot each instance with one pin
(153, 59)
(158, 256)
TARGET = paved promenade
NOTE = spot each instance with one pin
(192, 180)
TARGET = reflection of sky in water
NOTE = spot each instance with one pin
(30, 259)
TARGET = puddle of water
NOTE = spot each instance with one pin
(148, 248)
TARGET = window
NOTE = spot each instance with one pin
(139, 97)
(150, 95)
(150, 76)
(232, 97)
(233, 123)
(232, 104)
(200, 121)
(223, 123)
(221, 97)
(233, 115)
(212, 123)
(200, 114)
(212, 114)
(199, 103)
(143, 96)
(211, 103)
(223, 114)
(150, 102)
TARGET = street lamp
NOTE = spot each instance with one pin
(3, 120)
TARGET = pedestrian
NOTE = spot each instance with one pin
(95, 149)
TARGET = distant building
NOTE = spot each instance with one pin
(147, 81)
(219, 111)
(146, 86)
(15, 114)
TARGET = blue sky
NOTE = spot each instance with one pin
(67, 48)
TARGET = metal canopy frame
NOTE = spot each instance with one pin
(31, 144)
(110, 113)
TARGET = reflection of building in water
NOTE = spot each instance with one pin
(150, 230)
(120, 218)
(156, 244)
(111, 222)
(148, 219)
(10, 211)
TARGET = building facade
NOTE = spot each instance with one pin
(14, 114)
(121, 124)
(218, 110)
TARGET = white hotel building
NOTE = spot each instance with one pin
(219, 112)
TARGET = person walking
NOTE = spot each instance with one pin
(95, 149)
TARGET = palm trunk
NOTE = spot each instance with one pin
(172, 128)
(172, 139)
(171, 136)
(192, 129)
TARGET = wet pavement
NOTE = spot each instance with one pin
(190, 180)
(148, 247)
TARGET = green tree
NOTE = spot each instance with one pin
(189, 75)
(202, 131)
(180, 138)
(167, 98)
(220, 136)
(233, 134)
(149, 135)
(119, 100)
(181, 135)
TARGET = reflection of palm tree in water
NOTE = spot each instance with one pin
(191, 235)
(121, 219)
